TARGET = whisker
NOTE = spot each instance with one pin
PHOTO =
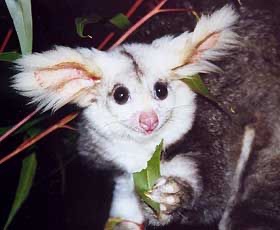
(178, 107)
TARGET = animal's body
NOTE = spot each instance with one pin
(213, 167)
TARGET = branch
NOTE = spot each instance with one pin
(27, 143)
(139, 23)
(14, 128)
(6, 40)
(129, 13)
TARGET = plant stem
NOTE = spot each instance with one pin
(129, 13)
(27, 143)
(139, 23)
(106, 40)
(6, 40)
(14, 128)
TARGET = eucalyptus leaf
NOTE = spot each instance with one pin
(20, 11)
(112, 222)
(81, 22)
(146, 178)
(29, 165)
(196, 84)
(9, 56)
(4, 129)
(30, 124)
(121, 21)
(24, 128)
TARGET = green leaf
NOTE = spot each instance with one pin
(29, 165)
(112, 222)
(9, 56)
(30, 124)
(146, 178)
(196, 84)
(24, 128)
(120, 20)
(20, 11)
(82, 22)
(4, 129)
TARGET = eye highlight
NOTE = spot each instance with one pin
(161, 90)
(121, 94)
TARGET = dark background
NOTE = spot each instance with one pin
(67, 192)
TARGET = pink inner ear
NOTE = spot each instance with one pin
(206, 44)
(57, 77)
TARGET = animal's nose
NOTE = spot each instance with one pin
(148, 121)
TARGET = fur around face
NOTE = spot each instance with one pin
(209, 163)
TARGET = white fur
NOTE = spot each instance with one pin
(115, 128)
(157, 60)
(219, 22)
(184, 168)
(40, 84)
(125, 204)
(247, 145)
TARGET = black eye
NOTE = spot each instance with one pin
(161, 90)
(121, 95)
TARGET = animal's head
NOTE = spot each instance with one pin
(133, 91)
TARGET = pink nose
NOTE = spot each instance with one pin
(148, 121)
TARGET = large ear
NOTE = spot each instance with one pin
(57, 77)
(211, 39)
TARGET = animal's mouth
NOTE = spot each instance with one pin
(150, 132)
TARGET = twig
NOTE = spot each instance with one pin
(6, 40)
(14, 128)
(129, 13)
(139, 23)
(106, 40)
(27, 143)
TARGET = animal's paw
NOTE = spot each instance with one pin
(171, 193)
(126, 225)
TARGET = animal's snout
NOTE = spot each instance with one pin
(148, 121)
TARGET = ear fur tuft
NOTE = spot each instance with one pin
(212, 38)
(57, 77)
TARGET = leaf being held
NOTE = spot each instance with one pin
(146, 178)
(112, 222)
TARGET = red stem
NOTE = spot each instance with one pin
(10, 131)
(106, 40)
(6, 40)
(138, 24)
(129, 13)
(24, 145)
(133, 8)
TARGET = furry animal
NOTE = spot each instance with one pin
(213, 168)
